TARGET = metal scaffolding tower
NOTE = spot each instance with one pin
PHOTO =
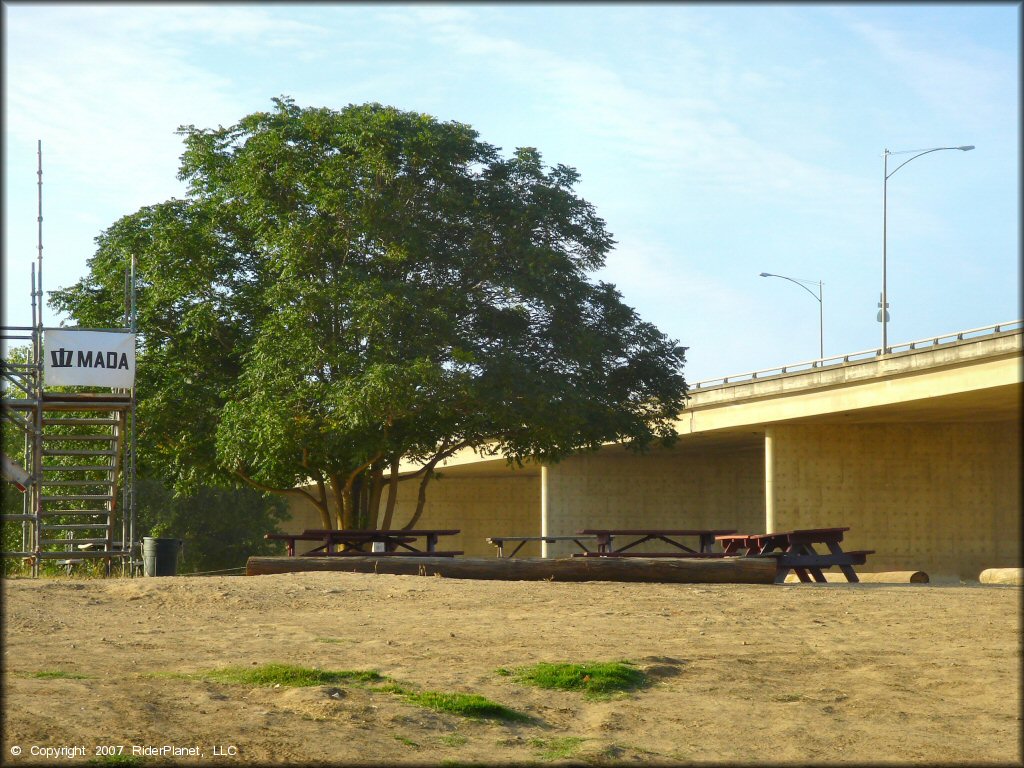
(73, 457)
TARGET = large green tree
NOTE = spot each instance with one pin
(344, 290)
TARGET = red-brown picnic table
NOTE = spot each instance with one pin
(794, 550)
(605, 536)
(353, 542)
(500, 541)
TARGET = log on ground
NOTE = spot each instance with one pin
(886, 577)
(726, 570)
(1013, 576)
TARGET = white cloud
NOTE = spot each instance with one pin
(680, 132)
(959, 80)
(115, 82)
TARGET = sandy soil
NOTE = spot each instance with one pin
(804, 674)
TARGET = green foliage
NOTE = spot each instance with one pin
(557, 748)
(221, 527)
(12, 500)
(58, 674)
(288, 675)
(12, 534)
(591, 678)
(116, 760)
(465, 704)
(343, 289)
(452, 740)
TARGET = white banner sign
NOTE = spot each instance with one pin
(90, 358)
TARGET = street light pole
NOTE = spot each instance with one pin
(884, 304)
(821, 304)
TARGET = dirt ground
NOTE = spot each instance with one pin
(797, 674)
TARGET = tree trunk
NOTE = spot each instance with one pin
(365, 491)
(421, 496)
(358, 494)
(321, 503)
(340, 502)
(376, 490)
(680, 570)
(323, 506)
(389, 510)
(428, 471)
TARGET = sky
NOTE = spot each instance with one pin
(717, 142)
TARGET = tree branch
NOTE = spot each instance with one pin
(241, 473)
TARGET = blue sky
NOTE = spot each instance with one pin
(717, 141)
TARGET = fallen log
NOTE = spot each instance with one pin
(682, 570)
(1002, 576)
(886, 577)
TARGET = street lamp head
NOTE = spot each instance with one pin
(766, 274)
(966, 148)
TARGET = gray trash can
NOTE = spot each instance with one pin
(160, 556)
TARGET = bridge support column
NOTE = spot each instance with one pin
(769, 480)
(545, 507)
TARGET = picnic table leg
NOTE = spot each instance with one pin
(431, 542)
(807, 549)
(707, 542)
(848, 572)
(802, 575)
(677, 545)
(643, 540)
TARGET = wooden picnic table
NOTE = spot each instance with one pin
(341, 542)
(606, 536)
(499, 542)
(794, 551)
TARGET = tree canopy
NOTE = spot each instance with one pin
(344, 290)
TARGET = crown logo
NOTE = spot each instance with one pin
(61, 358)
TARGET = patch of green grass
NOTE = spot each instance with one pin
(58, 674)
(453, 740)
(288, 675)
(592, 678)
(465, 704)
(408, 742)
(115, 760)
(557, 749)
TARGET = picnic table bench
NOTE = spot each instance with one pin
(499, 542)
(346, 542)
(794, 551)
(605, 538)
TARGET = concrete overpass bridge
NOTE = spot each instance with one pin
(916, 450)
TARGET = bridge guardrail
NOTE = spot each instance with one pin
(837, 360)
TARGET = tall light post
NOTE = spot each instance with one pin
(818, 297)
(883, 314)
